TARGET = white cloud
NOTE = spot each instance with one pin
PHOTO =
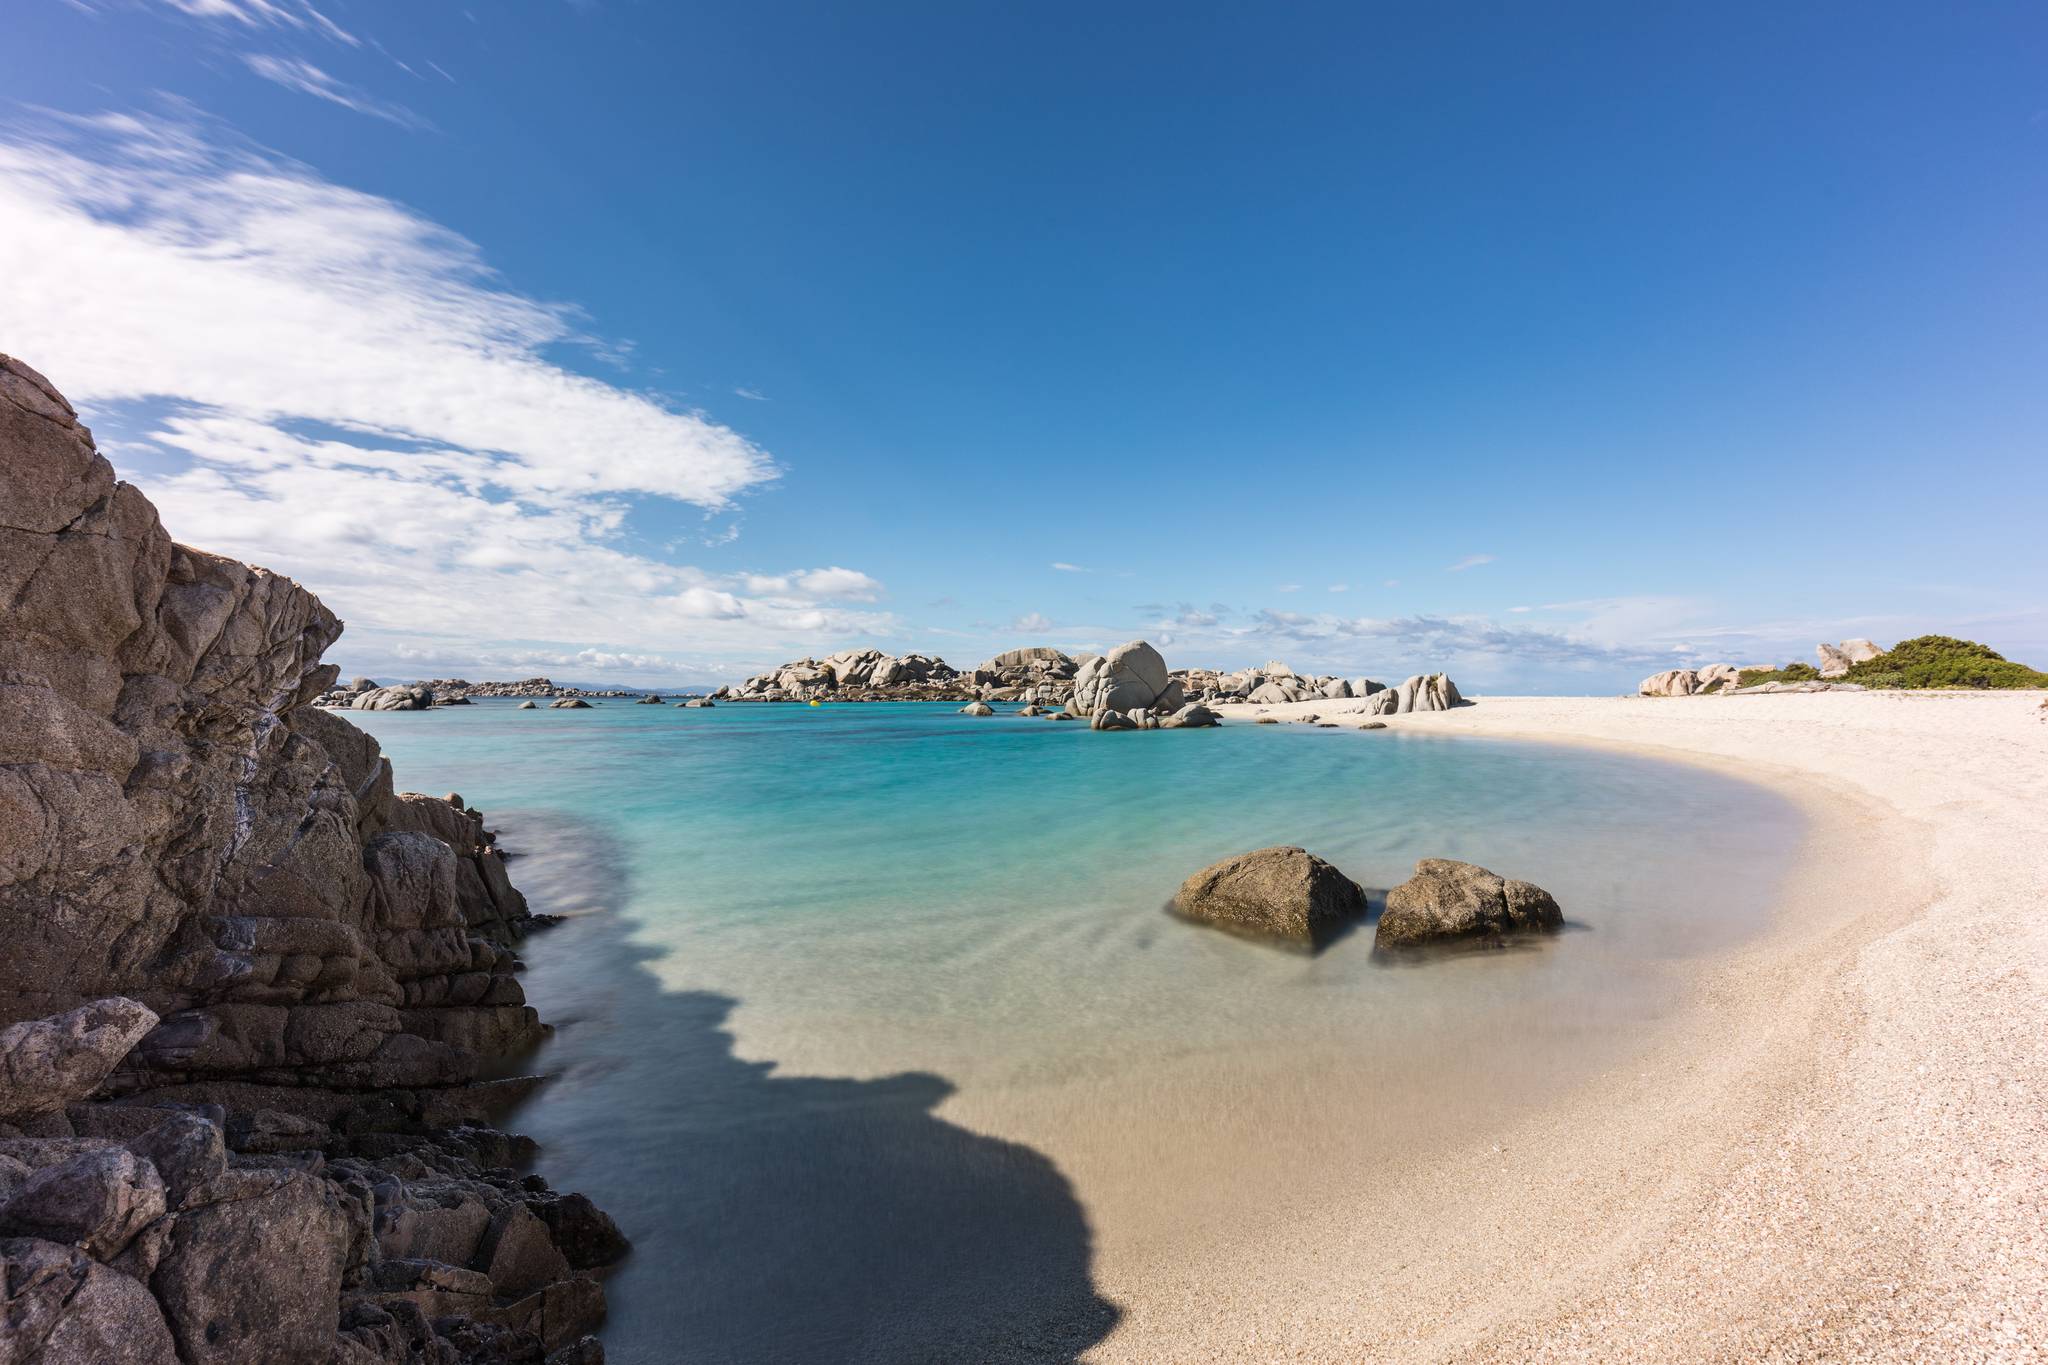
(343, 391)
(1037, 623)
(1469, 562)
(294, 73)
(1064, 567)
(1338, 587)
(752, 395)
(1288, 587)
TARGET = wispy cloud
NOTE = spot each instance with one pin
(1036, 623)
(294, 73)
(752, 395)
(1288, 587)
(1469, 562)
(259, 14)
(1338, 587)
(328, 384)
(1065, 567)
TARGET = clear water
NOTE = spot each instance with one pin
(873, 1032)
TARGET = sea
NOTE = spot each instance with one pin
(874, 1030)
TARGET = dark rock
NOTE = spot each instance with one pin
(1448, 900)
(255, 1276)
(97, 1200)
(585, 1233)
(1284, 894)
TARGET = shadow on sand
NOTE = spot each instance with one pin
(780, 1218)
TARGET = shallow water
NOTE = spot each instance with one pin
(874, 1033)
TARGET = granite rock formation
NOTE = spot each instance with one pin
(1283, 894)
(1448, 900)
(276, 981)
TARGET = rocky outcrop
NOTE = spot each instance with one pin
(320, 969)
(977, 708)
(1284, 894)
(406, 697)
(1452, 901)
(854, 675)
(1131, 677)
(1836, 660)
(46, 1064)
(1672, 682)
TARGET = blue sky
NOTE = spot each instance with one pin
(658, 343)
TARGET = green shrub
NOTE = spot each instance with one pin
(1942, 661)
(1790, 673)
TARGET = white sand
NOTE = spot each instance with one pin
(1839, 1151)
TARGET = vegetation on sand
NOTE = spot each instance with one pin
(1790, 673)
(1942, 661)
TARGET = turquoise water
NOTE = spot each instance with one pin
(874, 1033)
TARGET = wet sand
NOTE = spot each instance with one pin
(1835, 1147)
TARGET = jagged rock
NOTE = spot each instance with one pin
(255, 1276)
(308, 958)
(1284, 894)
(1428, 692)
(1835, 660)
(1716, 678)
(60, 1307)
(45, 1064)
(97, 1200)
(1447, 900)
(584, 1233)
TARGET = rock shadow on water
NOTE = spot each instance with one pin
(789, 1218)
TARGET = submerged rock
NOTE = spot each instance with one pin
(1448, 900)
(1284, 894)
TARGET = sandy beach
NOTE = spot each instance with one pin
(1835, 1151)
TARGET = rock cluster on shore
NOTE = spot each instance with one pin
(254, 988)
(365, 694)
(1730, 680)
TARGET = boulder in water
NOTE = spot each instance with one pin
(1282, 894)
(1131, 677)
(569, 704)
(1447, 900)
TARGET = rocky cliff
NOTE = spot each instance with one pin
(309, 972)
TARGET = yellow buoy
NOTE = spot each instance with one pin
(816, 702)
